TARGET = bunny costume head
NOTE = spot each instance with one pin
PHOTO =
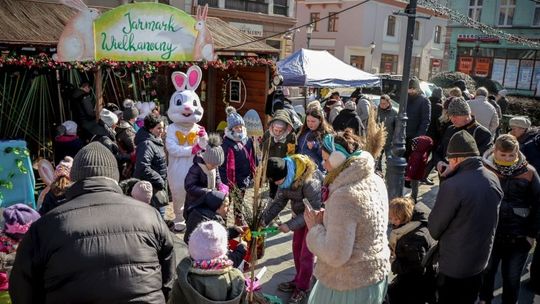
(185, 108)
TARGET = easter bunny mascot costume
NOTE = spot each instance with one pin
(184, 136)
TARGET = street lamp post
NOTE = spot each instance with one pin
(372, 46)
(397, 163)
(309, 31)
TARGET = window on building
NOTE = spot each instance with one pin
(536, 19)
(391, 26)
(314, 17)
(415, 66)
(475, 9)
(333, 22)
(417, 30)
(506, 12)
(437, 35)
(389, 63)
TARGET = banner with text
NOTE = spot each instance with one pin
(147, 31)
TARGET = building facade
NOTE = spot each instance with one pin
(371, 37)
(516, 67)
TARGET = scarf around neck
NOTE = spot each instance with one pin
(506, 169)
(210, 176)
(297, 165)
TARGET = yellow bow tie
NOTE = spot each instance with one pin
(190, 138)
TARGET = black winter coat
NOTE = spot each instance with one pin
(519, 214)
(389, 118)
(107, 137)
(99, 247)
(50, 202)
(481, 135)
(151, 165)
(348, 119)
(66, 145)
(413, 246)
(529, 144)
(434, 129)
(202, 214)
(196, 183)
(419, 115)
(413, 283)
(125, 136)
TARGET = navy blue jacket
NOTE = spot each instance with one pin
(529, 144)
(196, 182)
(150, 165)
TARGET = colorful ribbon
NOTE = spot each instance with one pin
(252, 286)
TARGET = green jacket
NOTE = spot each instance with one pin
(195, 286)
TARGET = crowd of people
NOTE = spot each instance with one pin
(101, 234)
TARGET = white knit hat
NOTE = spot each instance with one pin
(108, 117)
(208, 241)
(71, 127)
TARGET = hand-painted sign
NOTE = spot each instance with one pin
(143, 31)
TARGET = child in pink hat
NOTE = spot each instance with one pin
(208, 275)
(62, 180)
(17, 221)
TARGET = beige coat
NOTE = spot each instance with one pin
(352, 246)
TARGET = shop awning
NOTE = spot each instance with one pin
(309, 68)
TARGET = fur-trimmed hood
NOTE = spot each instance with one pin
(353, 170)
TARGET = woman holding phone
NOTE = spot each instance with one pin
(349, 236)
(298, 181)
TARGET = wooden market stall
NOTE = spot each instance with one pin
(32, 82)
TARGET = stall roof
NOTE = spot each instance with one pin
(25, 22)
(309, 68)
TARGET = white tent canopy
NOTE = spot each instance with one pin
(309, 68)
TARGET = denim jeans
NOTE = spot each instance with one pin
(511, 253)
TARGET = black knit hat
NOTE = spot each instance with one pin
(462, 144)
(276, 169)
(94, 160)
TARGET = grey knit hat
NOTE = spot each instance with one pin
(458, 107)
(130, 113)
(94, 160)
(462, 144)
(520, 122)
(213, 155)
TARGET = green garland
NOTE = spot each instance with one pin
(43, 61)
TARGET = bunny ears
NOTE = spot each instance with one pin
(190, 81)
(202, 14)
